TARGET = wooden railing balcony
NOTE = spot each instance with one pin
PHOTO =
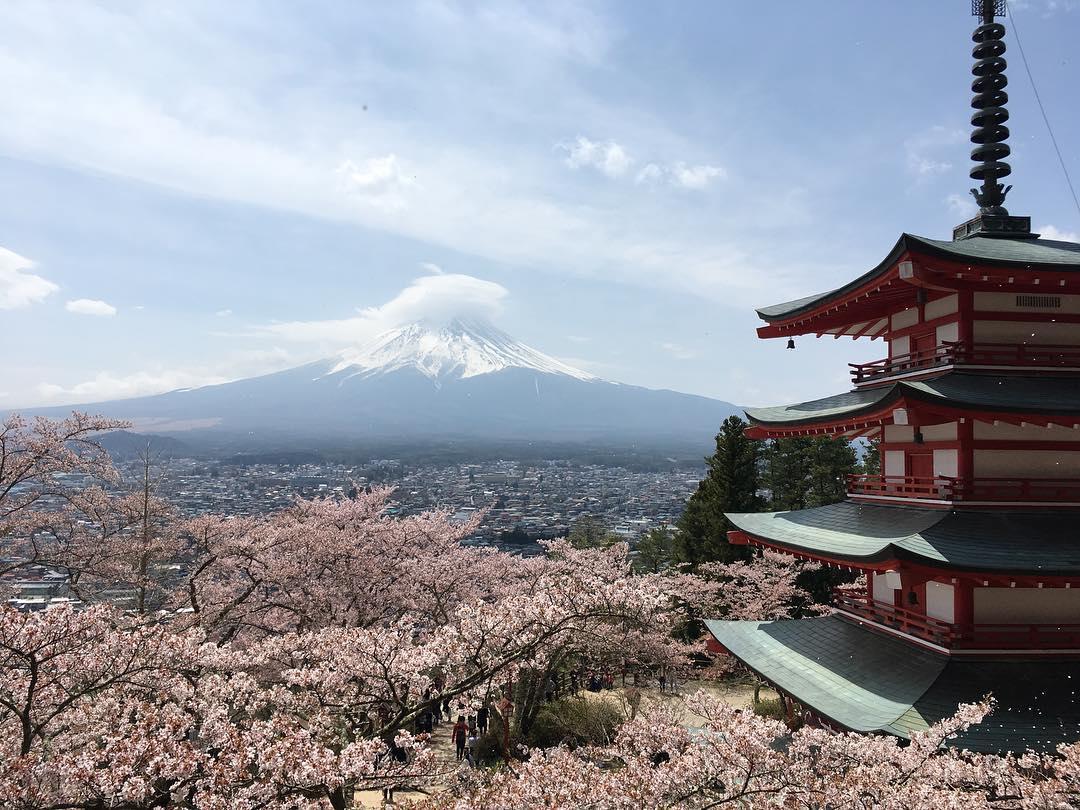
(956, 353)
(983, 490)
(959, 636)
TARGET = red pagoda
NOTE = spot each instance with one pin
(968, 542)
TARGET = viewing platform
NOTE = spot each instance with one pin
(1060, 492)
(859, 605)
(1023, 356)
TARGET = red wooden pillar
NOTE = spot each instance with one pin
(964, 604)
(965, 456)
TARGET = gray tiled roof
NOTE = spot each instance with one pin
(993, 392)
(995, 250)
(867, 681)
(1018, 253)
(1013, 541)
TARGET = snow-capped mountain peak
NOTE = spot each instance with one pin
(456, 350)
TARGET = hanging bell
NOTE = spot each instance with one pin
(791, 343)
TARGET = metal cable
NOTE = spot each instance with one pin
(1042, 109)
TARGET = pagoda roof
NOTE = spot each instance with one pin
(1057, 395)
(1020, 542)
(871, 682)
(987, 251)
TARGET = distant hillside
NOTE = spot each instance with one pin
(464, 381)
(124, 444)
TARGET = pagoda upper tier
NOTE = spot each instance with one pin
(978, 399)
(921, 272)
(1027, 399)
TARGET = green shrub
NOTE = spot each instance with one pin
(575, 721)
(770, 708)
(489, 748)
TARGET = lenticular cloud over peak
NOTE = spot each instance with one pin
(432, 300)
(440, 299)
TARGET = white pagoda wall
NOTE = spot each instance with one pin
(1025, 433)
(1026, 463)
(1006, 302)
(1036, 333)
(940, 601)
(1027, 605)
(940, 307)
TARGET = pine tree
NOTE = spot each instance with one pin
(730, 485)
(653, 552)
(871, 460)
(804, 472)
(590, 532)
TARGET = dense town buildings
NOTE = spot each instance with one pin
(523, 501)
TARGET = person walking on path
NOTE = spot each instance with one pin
(459, 736)
(446, 708)
(470, 748)
(482, 719)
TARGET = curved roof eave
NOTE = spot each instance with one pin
(998, 393)
(779, 312)
(956, 539)
(1047, 254)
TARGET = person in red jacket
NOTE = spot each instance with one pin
(460, 736)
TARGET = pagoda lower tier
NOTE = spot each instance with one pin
(953, 604)
(854, 678)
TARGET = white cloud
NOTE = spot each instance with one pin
(962, 205)
(434, 298)
(430, 267)
(680, 175)
(379, 181)
(649, 173)
(678, 351)
(607, 157)
(924, 149)
(1050, 232)
(695, 177)
(18, 288)
(108, 385)
(924, 166)
(90, 306)
(223, 313)
(313, 151)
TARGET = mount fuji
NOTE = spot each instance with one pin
(464, 379)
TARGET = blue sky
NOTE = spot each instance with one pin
(200, 191)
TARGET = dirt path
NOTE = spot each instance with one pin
(734, 694)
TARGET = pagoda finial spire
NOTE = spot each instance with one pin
(990, 133)
(990, 115)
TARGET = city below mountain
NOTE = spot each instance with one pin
(462, 380)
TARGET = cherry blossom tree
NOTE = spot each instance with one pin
(36, 458)
(286, 659)
(764, 588)
(741, 760)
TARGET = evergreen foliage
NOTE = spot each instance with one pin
(590, 532)
(730, 485)
(654, 551)
(871, 461)
(804, 472)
